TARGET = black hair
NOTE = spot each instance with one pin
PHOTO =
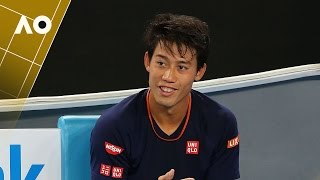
(184, 31)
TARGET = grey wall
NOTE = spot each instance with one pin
(279, 129)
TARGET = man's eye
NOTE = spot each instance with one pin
(161, 63)
(182, 68)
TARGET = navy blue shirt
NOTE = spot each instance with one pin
(126, 142)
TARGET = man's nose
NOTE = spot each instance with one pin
(169, 75)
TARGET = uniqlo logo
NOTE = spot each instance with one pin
(192, 147)
(105, 169)
(117, 172)
(233, 142)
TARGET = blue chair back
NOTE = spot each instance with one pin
(75, 146)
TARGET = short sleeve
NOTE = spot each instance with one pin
(108, 152)
(225, 162)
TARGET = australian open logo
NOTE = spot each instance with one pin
(41, 25)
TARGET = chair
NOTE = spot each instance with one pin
(75, 146)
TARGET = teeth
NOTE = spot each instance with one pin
(166, 89)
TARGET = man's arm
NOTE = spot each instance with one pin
(225, 162)
(108, 154)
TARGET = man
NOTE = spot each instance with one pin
(168, 131)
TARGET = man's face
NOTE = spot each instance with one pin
(171, 76)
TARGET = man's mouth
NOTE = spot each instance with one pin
(166, 91)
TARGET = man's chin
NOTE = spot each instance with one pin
(165, 103)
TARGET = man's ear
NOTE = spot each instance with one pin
(201, 72)
(146, 61)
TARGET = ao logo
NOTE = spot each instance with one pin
(23, 23)
(15, 166)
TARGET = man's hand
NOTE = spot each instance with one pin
(169, 176)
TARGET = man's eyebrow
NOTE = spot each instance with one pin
(162, 56)
(184, 61)
(180, 60)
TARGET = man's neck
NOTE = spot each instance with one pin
(169, 118)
